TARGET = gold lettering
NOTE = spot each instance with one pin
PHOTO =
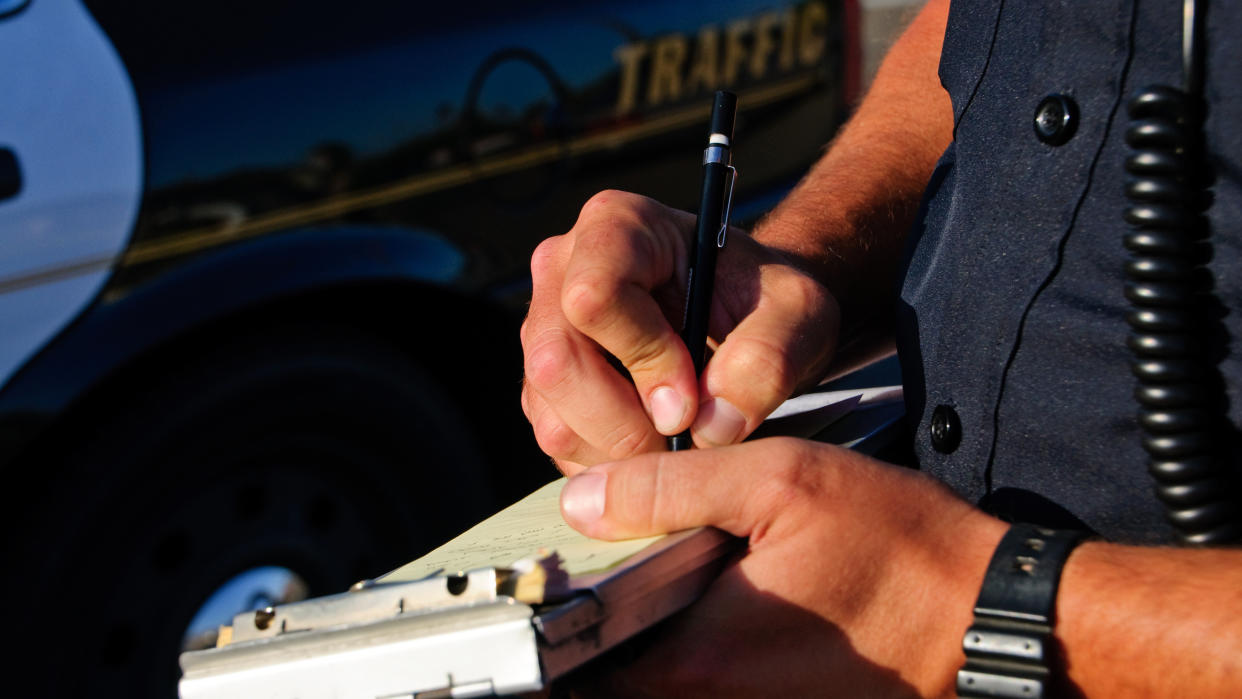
(764, 45)
(667, 60)
(702, 74)
(789, 24)
(791, 37)
(630, 57)
(813, 34)
(735, 50)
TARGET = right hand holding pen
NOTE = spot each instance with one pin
(615, 284)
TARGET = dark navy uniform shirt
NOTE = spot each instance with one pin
(1012, 312)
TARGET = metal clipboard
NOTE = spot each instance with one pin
(461, 635)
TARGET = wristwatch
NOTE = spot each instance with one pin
(1008, 646)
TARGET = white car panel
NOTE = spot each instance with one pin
(70, 115)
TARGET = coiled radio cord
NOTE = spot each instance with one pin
(1182, 404)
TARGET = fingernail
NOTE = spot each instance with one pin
(582, 500)
(667, 410)
(719, 423)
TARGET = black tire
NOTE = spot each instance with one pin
(313, 448)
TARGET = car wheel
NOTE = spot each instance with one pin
(281, 465)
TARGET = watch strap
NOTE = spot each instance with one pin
(1009, 644)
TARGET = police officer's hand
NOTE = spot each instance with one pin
(858, 580)
(615, 284)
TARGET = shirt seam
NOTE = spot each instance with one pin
(1061, 245)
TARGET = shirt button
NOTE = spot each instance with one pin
(1056, 119)
(946, 429)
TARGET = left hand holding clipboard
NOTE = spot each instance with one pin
(854, 569)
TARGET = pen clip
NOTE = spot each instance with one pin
(724, 220)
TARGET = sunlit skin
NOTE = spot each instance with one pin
(859, 576)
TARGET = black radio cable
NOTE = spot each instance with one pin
(1182, 403)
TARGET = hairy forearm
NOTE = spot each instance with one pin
(1147, 622)
(845, 223)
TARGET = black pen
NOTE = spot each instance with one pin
(715, 199)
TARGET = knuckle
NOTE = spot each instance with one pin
(646, 356)
(627, 440)
(768, 369)
(549, 360)
(615, 220)
(526, 404)
(670, 501)
(554, 437)
(544, 258)
(627, 444)
(792, 476)
(587, 300)
(801, 292)
(605, 202)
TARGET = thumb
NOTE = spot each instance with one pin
(737, 489)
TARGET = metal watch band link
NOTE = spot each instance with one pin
(1009, 644)
(1004, 659)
